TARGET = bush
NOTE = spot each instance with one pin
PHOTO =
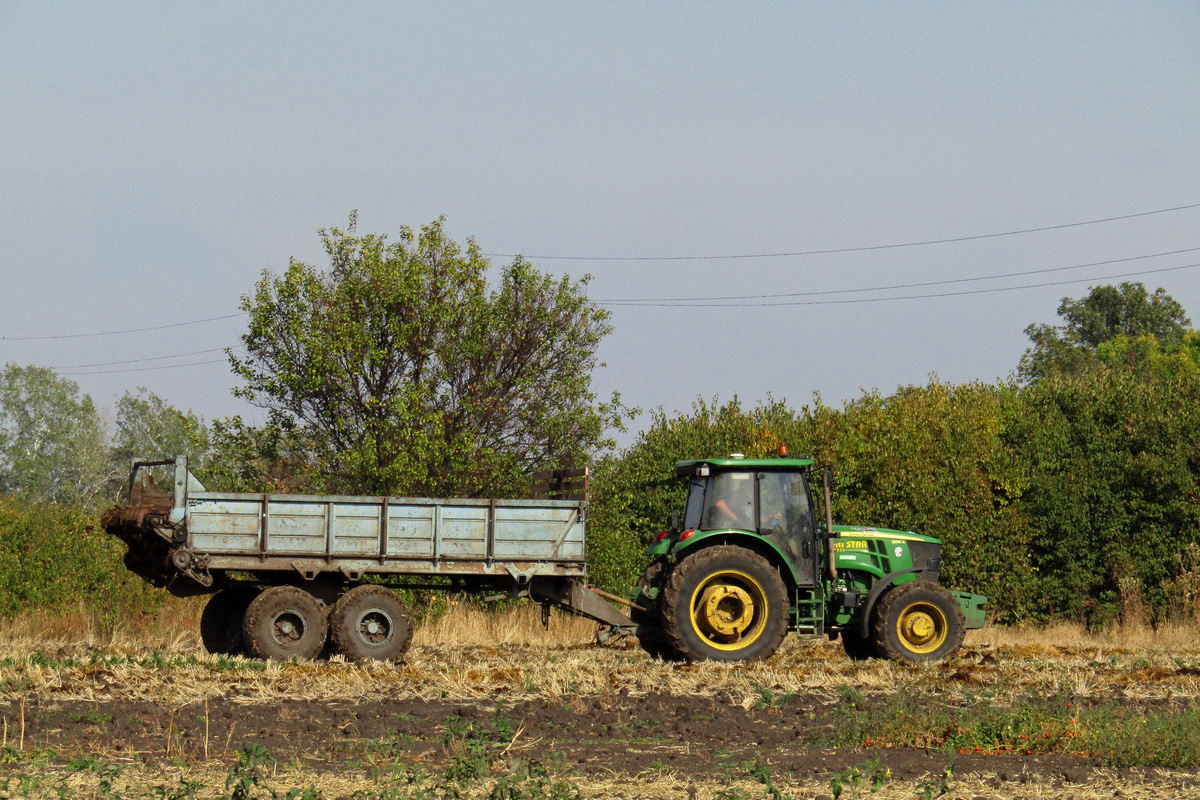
(56, 557)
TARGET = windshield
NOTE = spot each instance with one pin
(727, 500)
(724, 500)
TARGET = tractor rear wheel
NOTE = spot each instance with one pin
(918, 621)
(650, 633)
(222, 618)
(370, 623)
(285, 622)
(725, 603)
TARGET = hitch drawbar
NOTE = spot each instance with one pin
(586, 601)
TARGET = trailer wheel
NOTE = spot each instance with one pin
(918, 621)
(285, 622)
(222, 619)
(725, 603)
(370, 623)
(650, 632)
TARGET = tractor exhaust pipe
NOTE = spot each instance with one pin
(827, 479)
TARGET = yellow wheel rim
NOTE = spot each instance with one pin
(922, 628)
(729, 610)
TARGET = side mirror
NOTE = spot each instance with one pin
(674, 521)
(827, 477)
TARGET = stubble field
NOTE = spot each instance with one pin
(493, 706)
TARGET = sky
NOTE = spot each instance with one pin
(156, 158)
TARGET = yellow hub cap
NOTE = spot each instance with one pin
(922, 628)
(729, 610)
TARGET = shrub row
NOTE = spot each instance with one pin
(1076, 497)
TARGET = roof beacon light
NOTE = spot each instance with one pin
(783, 451)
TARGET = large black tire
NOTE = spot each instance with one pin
(370, 623)
(918, 622)
(285, 622)
(650, 630)
(222, 619)
(858, 648)
(725, 603)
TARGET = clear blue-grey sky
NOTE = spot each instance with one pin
(154, 159)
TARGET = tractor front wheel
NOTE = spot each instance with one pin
(725, 603)
(918, 621)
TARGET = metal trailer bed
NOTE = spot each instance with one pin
(190, 540)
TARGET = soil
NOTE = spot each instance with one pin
(686, 735)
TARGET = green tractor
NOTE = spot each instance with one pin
(749, 561)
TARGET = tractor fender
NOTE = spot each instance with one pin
(738, 538)
(880, 586)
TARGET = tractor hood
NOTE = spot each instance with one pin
(863, 532)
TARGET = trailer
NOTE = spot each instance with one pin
(292, 575)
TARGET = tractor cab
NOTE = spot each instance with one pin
(766, 498)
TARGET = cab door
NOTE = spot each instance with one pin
(785, 517)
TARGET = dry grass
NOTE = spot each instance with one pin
(139, 780)
(522, 670)
(467, 625)
(471, 656)
(1170, 637)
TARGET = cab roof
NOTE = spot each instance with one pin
(687, 467)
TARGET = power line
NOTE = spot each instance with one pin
(859, 249)
(900, 297)
(643, 300)
(141, 360)
(148, 369)
(127, 330)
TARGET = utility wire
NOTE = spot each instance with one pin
(127, 330)
(860, 249)
(148, 369)
(141, 360)
(642, 300)
(900, 297)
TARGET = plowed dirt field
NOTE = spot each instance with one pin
(585, 721)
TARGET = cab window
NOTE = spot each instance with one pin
(783, 504)
(729, 502)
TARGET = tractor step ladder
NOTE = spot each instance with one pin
(810, 612)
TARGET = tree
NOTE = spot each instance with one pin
(149, 427)
(1106, 313)
(52, 441)
(398, 370)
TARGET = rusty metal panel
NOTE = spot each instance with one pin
(463, 531)
(541, 532)
(295, 526)
(410, 530)
(354, 529)
(427, 535)
(224, 524)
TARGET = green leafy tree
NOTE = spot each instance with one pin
(398, 370)
(1114, 455)
(1106, 313)
(149, 427)
(926, 458)
(52, 440)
